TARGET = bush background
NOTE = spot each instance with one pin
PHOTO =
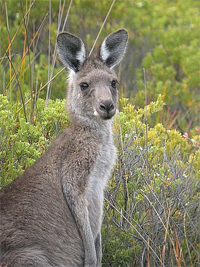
(151, 214)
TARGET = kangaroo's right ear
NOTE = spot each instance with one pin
(72, 51)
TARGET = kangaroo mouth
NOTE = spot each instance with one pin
(105, 115)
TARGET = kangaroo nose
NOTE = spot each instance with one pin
(106, 106)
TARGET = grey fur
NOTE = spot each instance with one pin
(51, 215)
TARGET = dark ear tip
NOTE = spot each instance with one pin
(65, 35)
(123, 31)
(60, 36)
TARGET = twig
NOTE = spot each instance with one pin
(111, 6)
(42, 88)
(144, 240)
(55, 47)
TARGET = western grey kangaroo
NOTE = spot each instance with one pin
(51, 215)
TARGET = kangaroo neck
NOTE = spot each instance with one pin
(102, 129)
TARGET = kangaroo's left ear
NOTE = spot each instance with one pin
(113, 48)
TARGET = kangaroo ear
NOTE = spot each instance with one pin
(113, 48)
(71, 51)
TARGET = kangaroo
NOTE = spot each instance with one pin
(51, 215)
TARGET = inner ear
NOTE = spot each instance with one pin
(72, 51)
(113, 48)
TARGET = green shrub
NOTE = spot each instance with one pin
(21, 142)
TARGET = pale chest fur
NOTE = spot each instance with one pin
(102, 168)
(97, 182)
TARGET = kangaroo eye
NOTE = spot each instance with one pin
(114, 83)
(83, 86)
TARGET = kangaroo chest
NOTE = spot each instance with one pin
(97, 182)
(102, 167)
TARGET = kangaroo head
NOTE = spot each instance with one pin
(93, 88)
